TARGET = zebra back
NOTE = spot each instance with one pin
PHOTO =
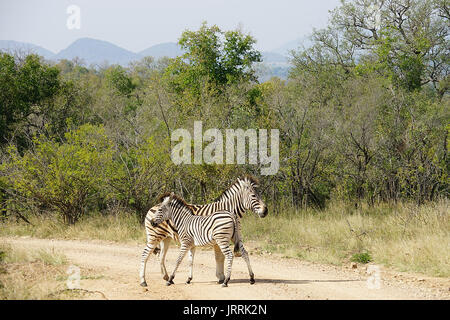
(196, 229)
(231, 200)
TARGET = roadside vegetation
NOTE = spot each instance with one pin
(28, 274)
(403, 236)
(38, 274)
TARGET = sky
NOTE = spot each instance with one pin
(138, 24)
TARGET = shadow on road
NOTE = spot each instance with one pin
(276, 281)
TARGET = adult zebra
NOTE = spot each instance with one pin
(218, 228)
(239, 197)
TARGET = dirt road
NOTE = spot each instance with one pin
(113, 270)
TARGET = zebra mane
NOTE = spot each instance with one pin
(253, 181)
(178, 199)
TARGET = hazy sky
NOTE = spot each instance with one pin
(137, 24)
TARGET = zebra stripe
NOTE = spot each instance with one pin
(194, 230)
(238, 198)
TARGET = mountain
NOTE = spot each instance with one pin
(276, 62)
(292, 45)
(11, 45)
(168, 49)
(273, 57)
(94, 51)
(273, 65)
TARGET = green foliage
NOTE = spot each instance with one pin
(406, 42)
(364, 117)
(363, 257)
(385, 116)
(404, 69)
(62, 177)
(23, 85)
(136, 176)
(219, 57)
(118, 79)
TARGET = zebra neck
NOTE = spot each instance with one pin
(179, 217)
(233, 204)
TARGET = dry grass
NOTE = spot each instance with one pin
(402, 236)
(36, 275)
(117, 228)
(28, 274)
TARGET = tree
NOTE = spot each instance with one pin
(61, 177)
(408, 40)
(220, 57)
(137, 175)
(24, 87)
(380, 69)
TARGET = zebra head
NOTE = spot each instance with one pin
(164, 211)
(250, 196)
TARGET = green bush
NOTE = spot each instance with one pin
(62, 177)
(363, 257)
(136, 176)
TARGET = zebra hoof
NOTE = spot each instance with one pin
(188, 281)
(224, 285)
(166, 277)
(143, 284)
(168, 283)
(252, 281)
(220, 281)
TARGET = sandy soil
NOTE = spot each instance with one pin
(116, 266)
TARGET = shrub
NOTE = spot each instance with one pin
(62, 177)
(362, 257)
(137, 175)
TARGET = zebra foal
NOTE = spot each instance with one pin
(194, 230)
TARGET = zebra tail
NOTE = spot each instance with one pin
(236, 226)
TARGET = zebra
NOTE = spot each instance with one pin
(238, 198)
(194, 230)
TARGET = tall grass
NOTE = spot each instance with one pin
(117, 228)
(403, 236)
(29, 274)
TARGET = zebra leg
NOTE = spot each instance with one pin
(183, 250)
(225, 248)
(220, 259)
(244, 254)
(164, 244)
(191, 265)
(149, 248)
